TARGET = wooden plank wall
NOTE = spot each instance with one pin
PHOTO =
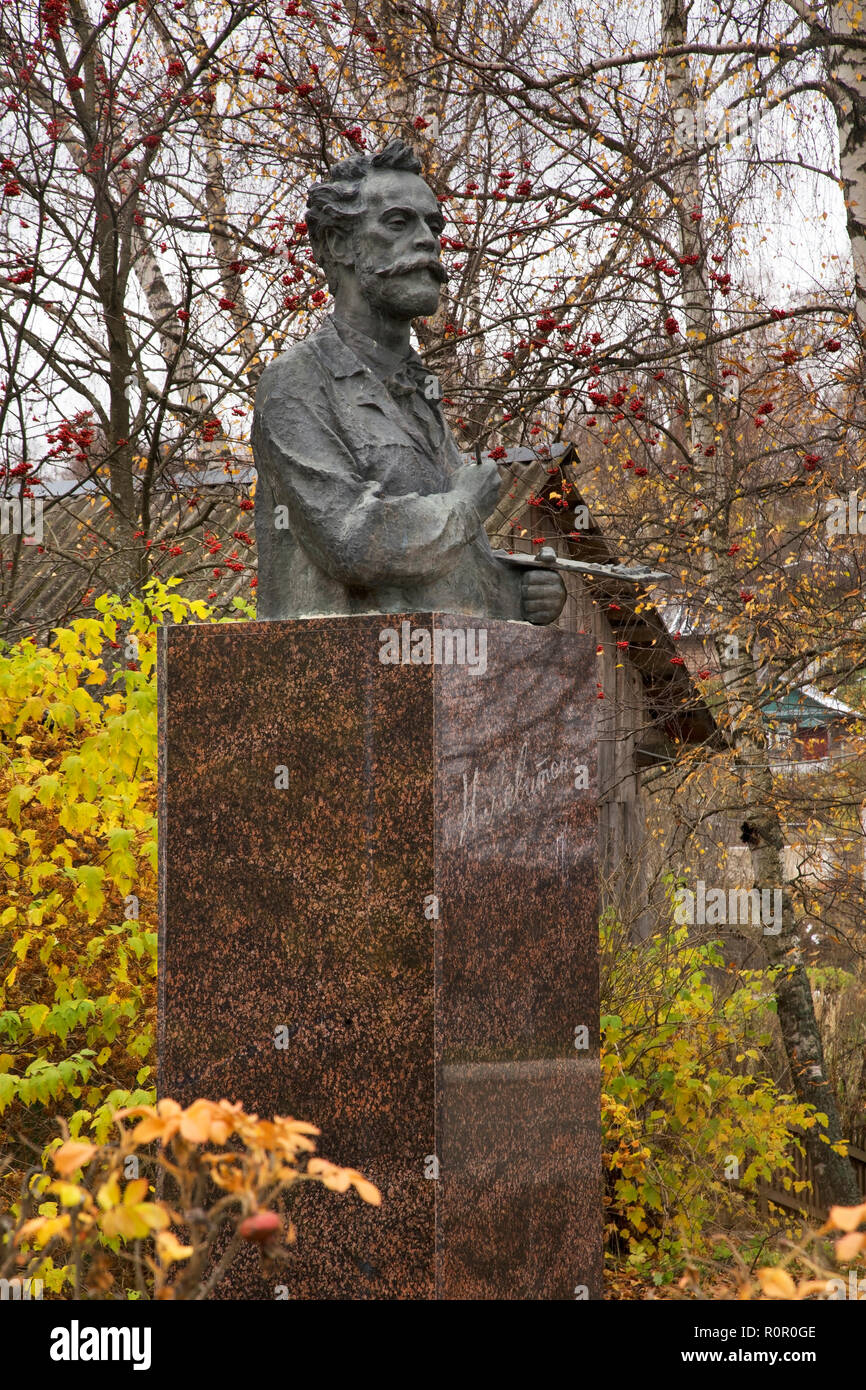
(808, 1203)
(622, 716)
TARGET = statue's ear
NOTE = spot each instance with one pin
(339, 243)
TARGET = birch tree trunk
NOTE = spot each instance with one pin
(847, 92)
(226, 247)
(845, 87)
(711, 441)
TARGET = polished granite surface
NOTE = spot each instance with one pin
(396, 863)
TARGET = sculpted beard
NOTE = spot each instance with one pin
(408, 287)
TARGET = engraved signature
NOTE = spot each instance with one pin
(515, 781)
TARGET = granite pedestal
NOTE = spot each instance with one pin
(395, 862)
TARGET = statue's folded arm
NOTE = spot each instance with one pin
(354, 533)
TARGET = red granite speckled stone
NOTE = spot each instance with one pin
(418, 907)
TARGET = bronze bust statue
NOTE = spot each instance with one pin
(364, 503)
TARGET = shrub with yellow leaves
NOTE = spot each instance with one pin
(78, 870)
(692, 1120)
(820, 1266)
(163, 1210)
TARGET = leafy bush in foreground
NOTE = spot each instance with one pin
(94, 1228)
(691, 1119)
(78, 869)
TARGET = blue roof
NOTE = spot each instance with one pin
(808, 707)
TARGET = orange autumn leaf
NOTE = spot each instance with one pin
(71, 1156)
(848, 1218)
(850, 1246)
(170, 1249)
(777, 1283)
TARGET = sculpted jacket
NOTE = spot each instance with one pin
(365, 477)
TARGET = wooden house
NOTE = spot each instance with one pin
(649, 706)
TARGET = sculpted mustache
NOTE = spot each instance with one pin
(406, 267)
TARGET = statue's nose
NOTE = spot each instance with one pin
(426, 239)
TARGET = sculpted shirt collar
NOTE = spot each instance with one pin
(402, 382)
(355, 345)
(346, 352)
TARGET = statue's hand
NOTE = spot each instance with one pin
(480, 484)
(542, 595)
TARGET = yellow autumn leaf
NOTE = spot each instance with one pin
(195, 1124)
(156, 1218)
(108, 1195)
(332, 1177)
(135, 1192)
(124, 1222)
(71, 1156)
(849, 1247)
(42, 1229)
(366, 1190)
(169, 1248)
(149, 1129)
(807, 1286)
(777, 1283)
(160, 1123)
(847, 1218)
(69, 1194)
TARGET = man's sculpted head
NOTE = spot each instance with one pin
(376, 222)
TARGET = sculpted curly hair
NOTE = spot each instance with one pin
(338, 201)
